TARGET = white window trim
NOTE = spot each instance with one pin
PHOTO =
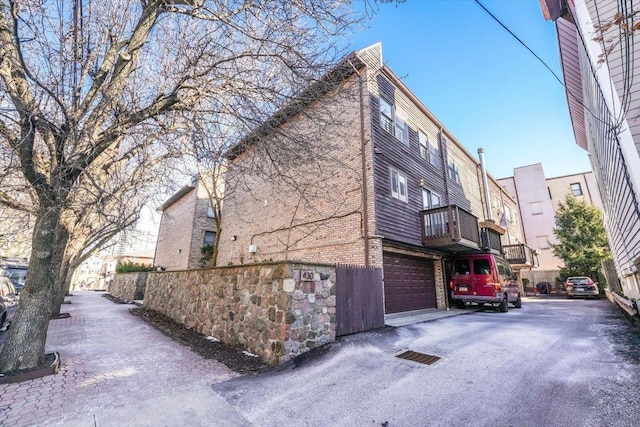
(578, 189)
(400, 122)
(427, 199)
(423, 140)
(452, 165)
(397, 120)
(384, 118)
(396, 193)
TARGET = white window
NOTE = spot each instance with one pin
(424, 145)
(434, 153)
(393, 122)
(399, 186)
(430, 200)
(453, 171)
(386, 116)
(210, 212)
(402, 133)
(507, 214)
(429, 149)
(495, 202)
(576, 189)
(536, 208)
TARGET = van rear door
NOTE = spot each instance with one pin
(462, 277)
(483, 276)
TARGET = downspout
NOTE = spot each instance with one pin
(365, 195)
(484, 184)
(444, 165)
(482, 199)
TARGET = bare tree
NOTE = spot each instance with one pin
(79, 85)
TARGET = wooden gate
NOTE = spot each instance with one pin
(359, 299)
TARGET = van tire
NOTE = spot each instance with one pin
(518, 303)
(504, 305)
(460, 304)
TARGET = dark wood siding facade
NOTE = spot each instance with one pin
(398, 220)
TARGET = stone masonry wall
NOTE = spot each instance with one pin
(274, 310)
(129, 286)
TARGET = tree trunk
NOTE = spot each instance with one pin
(25, 344)
(216, 243)
(63, 287)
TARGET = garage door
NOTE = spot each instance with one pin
(408, 283)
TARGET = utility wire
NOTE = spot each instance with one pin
(578, 100)
(521, 42)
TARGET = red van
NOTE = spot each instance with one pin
(483, 279)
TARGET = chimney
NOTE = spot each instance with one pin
(485, 186)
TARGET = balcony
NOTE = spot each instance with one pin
(520, 255)
(491, 240)
(450, 229)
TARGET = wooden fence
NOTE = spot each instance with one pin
(359, 299)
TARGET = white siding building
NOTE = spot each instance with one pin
(603, 93)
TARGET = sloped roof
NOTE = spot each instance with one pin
(177, 196)
(337, 75)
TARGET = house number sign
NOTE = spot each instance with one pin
(307, 276)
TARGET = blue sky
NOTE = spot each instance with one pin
(480, 82)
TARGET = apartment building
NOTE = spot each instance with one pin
(186, 226)
(538, 198)
(601, 79)
(391, 188)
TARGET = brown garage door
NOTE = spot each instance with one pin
(408, 283)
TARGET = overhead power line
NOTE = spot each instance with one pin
(521, 42)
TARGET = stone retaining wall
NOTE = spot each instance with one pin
(129, 286)
(275, 310)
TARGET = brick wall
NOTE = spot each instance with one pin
(129, 286)
(274, 310)
(175, 234)
(201, 223)
(315, 213)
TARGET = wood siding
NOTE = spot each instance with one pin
(359, 299)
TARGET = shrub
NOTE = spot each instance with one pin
(132, 267)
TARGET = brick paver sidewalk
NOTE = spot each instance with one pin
(117, 371)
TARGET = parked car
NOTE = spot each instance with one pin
(16, 272)
(8, 299)
(581, 287)
(483, 279)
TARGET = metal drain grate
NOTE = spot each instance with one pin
(414, 356)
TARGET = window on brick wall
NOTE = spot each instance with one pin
(399, 186)
(209, 238)
(211, 213)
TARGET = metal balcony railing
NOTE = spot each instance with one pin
(491, 240)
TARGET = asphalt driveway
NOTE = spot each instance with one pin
(553, 363)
